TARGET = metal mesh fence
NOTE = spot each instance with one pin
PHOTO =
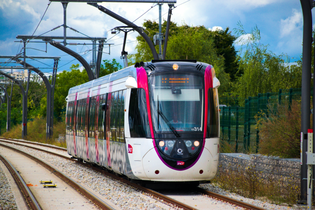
(238, 123)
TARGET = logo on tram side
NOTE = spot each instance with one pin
(130, 149)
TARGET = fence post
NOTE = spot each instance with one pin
(290, 97)
(245, 127)
(223, 124)
(229, 125)
(279, 96)
(257, 131)
(268, 95)
(249, 109)
(236, 134)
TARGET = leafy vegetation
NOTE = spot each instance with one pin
(262, 70)
(255, 184)
(252, 70)
(194, 43)
(37, 132)
(37, 100)
(282, 126)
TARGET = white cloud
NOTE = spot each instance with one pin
(244, 39)
(13, 8)
(291, 24)
(94, 23)
(216, 28)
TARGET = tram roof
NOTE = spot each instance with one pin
(128, 71)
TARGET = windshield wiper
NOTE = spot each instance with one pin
(169, 124)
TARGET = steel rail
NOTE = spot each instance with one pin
(158, 195)
(35, 143)
(28, 196)
(113, 176)
(93, 198)
(228, 199)
(149, 191)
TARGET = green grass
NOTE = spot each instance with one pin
(36, 131)
(251, 184)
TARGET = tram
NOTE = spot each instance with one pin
(155, 121)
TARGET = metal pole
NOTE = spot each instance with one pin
(124, 53)
(128, 23)
(24, 102)
(64, 4)
(24, 115)
(305, 101)
(77, 56)
(99, 58)
(93, 66)
(309, 170)
(48, 112)
(167, 29)
(24, 53)
(160, 31)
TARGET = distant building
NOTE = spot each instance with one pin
(22, 75)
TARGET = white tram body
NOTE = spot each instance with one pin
(157, 121)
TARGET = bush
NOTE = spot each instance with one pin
(279, 131)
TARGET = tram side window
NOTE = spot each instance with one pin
(81, 117)
(113, 116)
(69, 117)
(138, 114)
(86, 108)
(78, 120)
(101, 117)
(83, 104)
(122, 116)
(212, 124)
(92, 117)
(117, 122)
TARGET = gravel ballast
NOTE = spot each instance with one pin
(114, 192)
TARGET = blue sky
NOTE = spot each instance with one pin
(280, 23)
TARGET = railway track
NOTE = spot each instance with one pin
(159, 196)
(28, 196)
(89, 197)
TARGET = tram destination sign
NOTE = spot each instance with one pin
(131, 1)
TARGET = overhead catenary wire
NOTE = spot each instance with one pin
(38, 26)
(41, 18)
(111, 38)
(145, 12)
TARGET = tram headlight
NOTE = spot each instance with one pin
(166, 146)
(170, 143)
(161, 143)
(188, 143)
(193, 146)
(196, 143)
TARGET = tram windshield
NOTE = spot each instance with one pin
(177, 103)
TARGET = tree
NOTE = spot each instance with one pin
(67, 79)
(194, 43)
(143, 50)
(223, 42)
(64, 81)
(263, 71)
(109, 67)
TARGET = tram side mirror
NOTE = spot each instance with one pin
(216, 83)
(131, 83)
